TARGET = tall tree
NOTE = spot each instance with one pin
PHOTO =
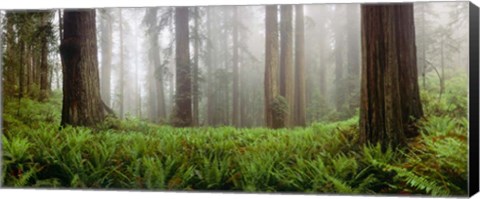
(299, 108)
(236, 90)
(121, 67)
(195, 83)
(271, 65)
(286, 60)
(407, 56)
(46, 32)
(82, 105)
(388, 65)
(106, 43)
(183, 96)
(353, 57)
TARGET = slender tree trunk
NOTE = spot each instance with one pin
(106, 42)
(122, 68)
(271, 64)
(210, 94)
(225, 82)
(353, 57)
(195, 86)
(44, 70)
(286, 61)
(339, 66)
(82, 105)
(300, 115)
(236, 90)
(183, 97)
(424, 46)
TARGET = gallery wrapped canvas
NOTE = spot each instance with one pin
(355, 99)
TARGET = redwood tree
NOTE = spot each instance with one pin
(299, 109)
(286, 60)
(388, 63)
(271, 65)
(183, 96)
(82, 105)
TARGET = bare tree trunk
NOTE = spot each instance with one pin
(195, 86)
(106, 43)
(44, 69)
(183, 97)
(122, 68)
(210, 94)
(236, 91)
(300, 116)
(388, 66)
(271, 64)
(82, 105)
(286, 61)
(409, 89)
(353, 57)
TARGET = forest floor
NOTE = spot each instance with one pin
(321, 158)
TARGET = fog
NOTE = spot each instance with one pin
(142, 53)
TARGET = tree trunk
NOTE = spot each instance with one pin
(339, 82)
(300, 116)
(209, 56)
(271, 66)
(82, 105)
(44, 71)
(183, 97)
(286, 61)
(122, 68)
(409, 89)
(195, 86)
(388, 63)
(236, 90)
(353, 57)
(106, 42)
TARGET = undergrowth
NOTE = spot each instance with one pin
(322, 158)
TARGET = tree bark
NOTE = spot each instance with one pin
(300, 116)
(388, 66)
(183, 97)
(409, 89)
(44, 69)
(286, 61)
(271, 63)
(82, 105)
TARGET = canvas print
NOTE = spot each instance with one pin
(367, 99)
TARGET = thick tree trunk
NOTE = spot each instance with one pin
(286, 61)
(183, 97)
(388, 65)
(271, 64)
(300, 116)
(409, 89)
(236, 90)
(82, 105)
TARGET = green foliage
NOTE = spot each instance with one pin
(324, 157)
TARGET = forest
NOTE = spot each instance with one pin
(315, 98)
